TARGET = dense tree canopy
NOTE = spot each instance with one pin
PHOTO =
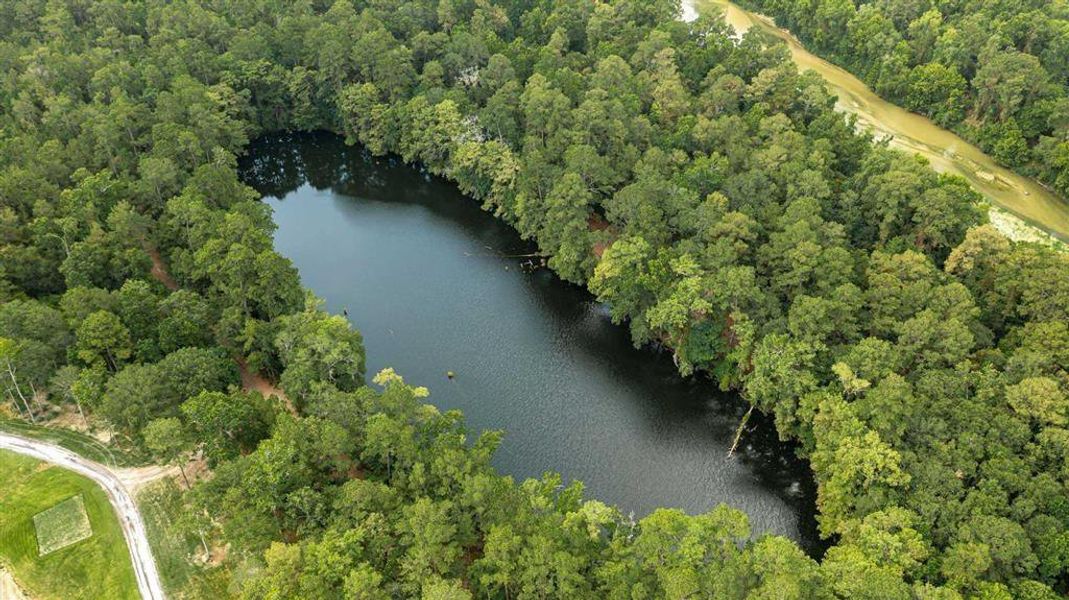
(996, 72)
(700, 186)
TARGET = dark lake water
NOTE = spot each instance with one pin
(424, 275)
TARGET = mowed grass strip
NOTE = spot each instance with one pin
(97, 567)
(63, 525)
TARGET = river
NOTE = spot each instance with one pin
(1021, 196)
(426, 276)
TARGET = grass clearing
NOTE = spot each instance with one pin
(81, 443)
(175, 547)
(65, 524)
(96, 567)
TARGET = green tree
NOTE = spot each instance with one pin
(102, 339)
(315, 346)
(166, 439)
(224, 425)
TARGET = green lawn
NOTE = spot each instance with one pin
(97, 567)
(63, 525)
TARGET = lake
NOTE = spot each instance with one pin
(435, 285)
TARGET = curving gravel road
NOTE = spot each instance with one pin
(133, 527)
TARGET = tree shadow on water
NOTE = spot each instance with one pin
(672, 407)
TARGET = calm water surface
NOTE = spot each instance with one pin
(425, 275)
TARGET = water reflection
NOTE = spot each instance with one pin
(425, 275)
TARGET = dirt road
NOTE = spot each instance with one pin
(133, 527)
(9, 588)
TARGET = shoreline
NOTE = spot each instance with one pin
(1018, 205)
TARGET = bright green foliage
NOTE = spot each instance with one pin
(702, 188)
(103, 340)
(315, 346)
(167, 440)
(996, 73)
(428, 508)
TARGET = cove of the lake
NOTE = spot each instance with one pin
(434, 285)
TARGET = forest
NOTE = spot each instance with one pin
(701, 187)
(995, 72)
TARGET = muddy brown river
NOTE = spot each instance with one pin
(1021, 196)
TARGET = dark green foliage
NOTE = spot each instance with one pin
(995, 72)
(142, 392)
(702, 188)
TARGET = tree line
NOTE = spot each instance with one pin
(700, 186)
(994, 72)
